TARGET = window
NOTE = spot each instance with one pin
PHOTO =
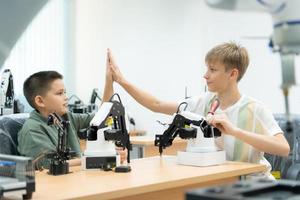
(41, 47)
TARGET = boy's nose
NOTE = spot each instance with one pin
(205, 76)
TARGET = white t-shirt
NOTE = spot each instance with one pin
(248, 114)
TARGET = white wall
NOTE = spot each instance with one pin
(160, 46)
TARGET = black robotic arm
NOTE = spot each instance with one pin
(180, 126)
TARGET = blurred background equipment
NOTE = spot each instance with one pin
(76, 105)
(95, 95)
(281, 166)
(16, 176)
(261, 189)
(92, 107)
(7, 93)
(8, 103)
(286, 41)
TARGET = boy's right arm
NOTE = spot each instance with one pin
(141, 96)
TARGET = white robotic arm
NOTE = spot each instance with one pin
(107, 129)
(96, 143)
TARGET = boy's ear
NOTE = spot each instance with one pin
(39, 101)
(235, 73)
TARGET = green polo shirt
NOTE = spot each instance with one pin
(37, 137)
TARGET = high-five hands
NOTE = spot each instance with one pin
(116, 73)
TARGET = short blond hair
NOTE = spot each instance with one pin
(232, 55)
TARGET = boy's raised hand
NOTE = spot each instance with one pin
(116, 73)
(108, 74)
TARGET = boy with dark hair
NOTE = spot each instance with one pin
(248, 127)
(45, 92)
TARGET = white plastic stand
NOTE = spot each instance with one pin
(201, 151)
(99, 151)
(201, 159)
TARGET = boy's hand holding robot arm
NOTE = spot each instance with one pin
(187, 125)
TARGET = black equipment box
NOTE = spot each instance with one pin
(249, 190)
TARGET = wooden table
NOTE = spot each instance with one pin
(150, 178)
(145, 146)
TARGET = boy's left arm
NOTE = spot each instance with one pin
(80, 121)
(273, 144)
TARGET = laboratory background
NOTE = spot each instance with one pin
(159, 46)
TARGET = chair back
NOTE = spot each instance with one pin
(10, 125)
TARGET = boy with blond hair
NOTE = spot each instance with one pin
(248, 126)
